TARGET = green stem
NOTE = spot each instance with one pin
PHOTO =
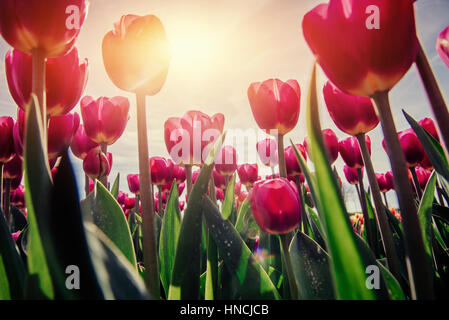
(159, 200)
(281, 155)
(6, 201)
(368, 226)
(149, 238)
(104, 149)
(434, 94)
(381, 217)
(420, 277)
(1, 185)
(416, 182)
(288, 265)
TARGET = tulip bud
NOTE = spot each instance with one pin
(6, 139)
(226, 162)
(105, 119)
(411, 146)
(13, 168)
(275, 206)
(423, 176)
(122, 196)
(81, 144)
(384, 186)
(219, 194)
(181, 205)
(430, 127)
(161, 170)
(389, 179)
(61, 130)
(350, 151)
(133, 183)
(443, 45)
(291, 162)
(351, 174)
(219, 180)
(18, 197)
(96, 164)
(331, 142)
(179, 173)
(351, 114)
(248, 174)
(275, 104)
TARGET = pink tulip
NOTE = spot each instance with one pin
(219, 180)
(179, 173)
(389, 179)
(248, 174)
(81, 143)
(16, 235)
(161, 170)
(351, 114)
(291, 162)
(331, 142)
(105, 119)
(13, 168)
(66, 79)
(430, 127)
(133, 183)
(61, 130)
(423, 176)
(351, 174)
(268, 153)
(357, 55)
(219, 194)
(226, 162)
(384, 186)
(122, 196)
(350, 151)
(275, 104)
(51, 26)
(181, 205)
(443, 45)
(6, 139)
(181, 188)
(411, 146)
(18, 197)
(96, 164)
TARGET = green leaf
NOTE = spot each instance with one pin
(254, 282)
(171, 225)
(12, 269)
(347, 267)
(104, 210)
(311, 268)
(116, 186)
(425, 215)
(228, 203)
(185, 282)
(432, 148)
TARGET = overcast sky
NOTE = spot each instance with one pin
(219, 48)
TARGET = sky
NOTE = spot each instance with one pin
(218, 49)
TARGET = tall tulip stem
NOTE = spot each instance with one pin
(420, 277)
(104, 149)
(86, 185)
(434, 94)
(386, 201)
(149, 238)
(1, 185)
(188, 179)
(288, 266)
(281, 155)
(381, 217)
(159, 200)
(38, 84)
(6, 201)
(416, 182)
(368, 227)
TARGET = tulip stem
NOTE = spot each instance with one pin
(159, 201)
(6, 201)
(434, 94)
(1, 185)
(104, 179)
(386, 201)
(86, 185)
(368, 227)
(38, 85)
(420, 276)
(149, 239)
(440, 196)
(416, 182)
(301, 203)
(281, 155)
(381, 217)
(288, 266)
(188, 179)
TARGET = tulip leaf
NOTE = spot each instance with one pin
(171, 225)
(432, 147)
(311, 268)
(12, 269)
(116, 186)
(102, 208)
(425, 214)
(254, 282)
(347, 266)
(187, 265)
(228, 203)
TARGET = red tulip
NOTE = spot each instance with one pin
(181, 205)
(275, 206)
(331, 142)
(357, 55)
(130, 203)
(425, 163)
(122, 196)
(81, 143)
(179, 173)
(189, 138)
(13, 168)
(411, 146)
(423, 176)
(351, 114)
(226, 162)
(96, 164)
(350, 151)
(219, 180)
(18, 197)
(219, 194)
(161, 170)
(384, 186)
(237, 188)
(6, 139)
(110, 158)
(291, 162)
(136, 54)
(430, 127)
(275, 104)
(66, 79)
(181, 188)
(389, 179)
(105, 119)
(351, 174)
(61, 130)
(268, 153)
(51, 26)
(248, 174)
(443, 45)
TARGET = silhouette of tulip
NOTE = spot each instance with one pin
(443, 45)
(161, 170)
(96, 164)
(331, 142)
(267, 151)
(104, 119)
(66, 79)
(133, 183)
(248, 174)
(351, 114)
(61, 130)
(350, 151)
(81, 143)
(136, 54)
(292, 164)
(226, 162)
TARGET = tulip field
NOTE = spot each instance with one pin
(199, 222)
